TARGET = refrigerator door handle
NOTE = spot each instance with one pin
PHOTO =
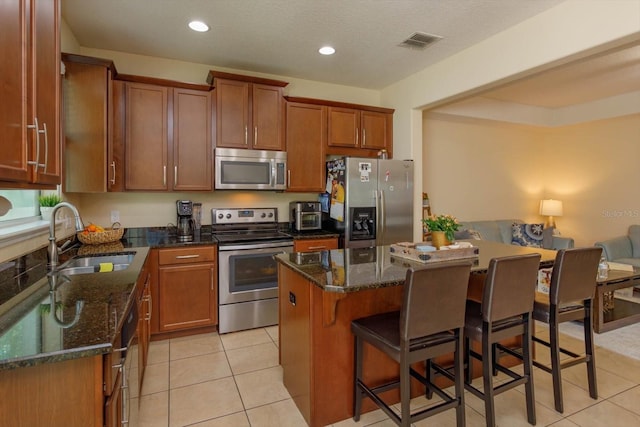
(382, 220)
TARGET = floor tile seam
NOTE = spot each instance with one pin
(551, 405)
(194, 355)
(624, 391)
(271, 403)
(254, 370)
(226, 350)
(564, 378)
(197, 382)
(637, 414)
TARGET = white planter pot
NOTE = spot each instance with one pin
(45, 211)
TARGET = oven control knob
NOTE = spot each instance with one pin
(220, 216)
(270, 214)
(228, 216)
(263, 215)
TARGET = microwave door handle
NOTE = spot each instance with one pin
(273, 173)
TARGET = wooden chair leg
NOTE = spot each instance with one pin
(555, 365)
(590, 351)
(357, 393)
(468, 364)
(459, 381)
(487, 378)
(405, 394)
(528, 373)
(428, 374)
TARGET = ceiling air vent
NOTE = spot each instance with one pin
(419, 41)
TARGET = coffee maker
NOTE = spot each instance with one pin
(185, 220)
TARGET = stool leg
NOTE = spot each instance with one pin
(428, 374)
(459, 380)
(487, 375)
(528, 372)
(405, 392)
(589, 349)
(357, 393)
(494, 359)
(467, 361)
(556, 375)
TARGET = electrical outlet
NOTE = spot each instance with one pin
(115, 216)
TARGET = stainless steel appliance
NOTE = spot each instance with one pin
(305, 216)
(124, 359)
(247, 273)
(250, 169)
(371, 200)
(185, 220)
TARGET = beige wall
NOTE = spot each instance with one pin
(480, 169)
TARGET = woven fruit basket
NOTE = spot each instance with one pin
(109, 235)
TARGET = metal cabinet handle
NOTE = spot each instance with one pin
(187, 256)
(364, 137)
(317, 247)
(246, 135)
(175, 176)
(255, 136)
(356, 137)
(164, 175)
(46, 146)
(124, 390)
(212, 276)
(113, 175)
(35, 126)
(288, 177)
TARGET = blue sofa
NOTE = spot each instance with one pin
(500, 231)
(623, 249)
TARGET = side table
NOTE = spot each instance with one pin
(622, 312)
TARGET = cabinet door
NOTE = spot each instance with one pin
(376, 130)
(187, 296)
(192, 140)
(343, 124)
(267, 117)
(85, 100)
(13, 92)
(232, 114)
(306, 140)
(146, 144)
(45, 84)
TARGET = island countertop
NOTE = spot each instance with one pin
(358, 269)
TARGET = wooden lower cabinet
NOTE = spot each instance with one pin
(67, 393)
(311, 245)
(187, 288)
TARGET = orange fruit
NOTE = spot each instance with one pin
(91, 228)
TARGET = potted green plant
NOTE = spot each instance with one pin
(442, 228)
(47, 202)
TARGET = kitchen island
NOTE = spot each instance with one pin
(321, 295)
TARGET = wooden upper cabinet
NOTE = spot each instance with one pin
(306, 135)
(361, 129)
(168, 138)
(192, 140)
(89, 165)
(249, 111)
(30, 93)
(146, 143)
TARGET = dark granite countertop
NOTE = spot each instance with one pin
(30, 334)
(353, 270)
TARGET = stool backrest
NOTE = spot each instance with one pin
(574, 275)
(434, 300)
(509, 289)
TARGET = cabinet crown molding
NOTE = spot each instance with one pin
(249, 79)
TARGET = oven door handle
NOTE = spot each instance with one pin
(252, 246)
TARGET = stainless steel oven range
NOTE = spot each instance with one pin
(247, 272)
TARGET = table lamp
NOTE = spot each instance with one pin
(550, 208)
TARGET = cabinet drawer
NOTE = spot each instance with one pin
(187, 255)
(315, 245)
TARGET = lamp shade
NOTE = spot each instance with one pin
(550, 207)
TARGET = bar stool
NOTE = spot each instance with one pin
(573, 285)
(429, 324)
(505, 312)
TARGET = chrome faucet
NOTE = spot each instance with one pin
(53, 248)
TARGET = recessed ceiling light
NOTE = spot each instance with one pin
(327, 50)
(198, 26)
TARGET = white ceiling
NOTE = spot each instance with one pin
(282, 37)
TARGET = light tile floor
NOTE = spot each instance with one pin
(235, 380)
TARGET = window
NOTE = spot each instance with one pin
(24, 205)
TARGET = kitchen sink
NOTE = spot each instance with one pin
(86, 264)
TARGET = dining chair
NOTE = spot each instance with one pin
(570, 298)
(504, 312)
(429, 324)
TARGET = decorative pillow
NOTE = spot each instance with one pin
(527, 234)
(475, 234)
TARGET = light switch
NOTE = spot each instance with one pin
(115, 216)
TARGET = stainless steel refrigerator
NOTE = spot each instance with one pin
(371, 200)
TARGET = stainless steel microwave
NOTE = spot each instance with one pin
(250, 169)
